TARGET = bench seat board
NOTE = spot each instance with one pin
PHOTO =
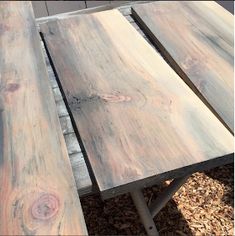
(37, 190)
(136, 118)
(197, 39)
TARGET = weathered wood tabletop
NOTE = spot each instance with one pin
(197, 39)
(136, 118)
(37, 190)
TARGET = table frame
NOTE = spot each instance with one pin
(148, 213)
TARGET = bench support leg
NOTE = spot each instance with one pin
(147, 213)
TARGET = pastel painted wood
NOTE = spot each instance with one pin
(37, 190)
(197, 39)
(137, 120)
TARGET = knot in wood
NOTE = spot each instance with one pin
(115, 97)
(45, 207)
(12, 87)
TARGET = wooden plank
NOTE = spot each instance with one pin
(97, 3)
(197, 39)
(66, 125)
(43, 20)
(39, 8)
(114, 4)
(126, 10)
(61, 109)
(57, 94)
(130, 19)
(56, 7)
(136, 118)
(37, 190)
(81, 174)
(72, 143)
(50, 72)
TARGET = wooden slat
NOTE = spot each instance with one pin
(97, 3)
(197, 39)
(125, 10)
(122, 5)
(81, 174)
(115, 3)
(72, 143)
(57, 95)
(136, 118)
(39, 8)
(66, 125)
(61, 109)
(37, 190)
(56, 7)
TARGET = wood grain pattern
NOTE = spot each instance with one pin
(37, 190)
(136, 118)
(197, 39)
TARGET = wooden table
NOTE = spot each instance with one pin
(134, 123)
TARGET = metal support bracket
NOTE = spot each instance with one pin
(147, 213)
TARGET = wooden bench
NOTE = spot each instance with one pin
(37, 190)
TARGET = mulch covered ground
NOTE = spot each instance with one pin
(202, 206)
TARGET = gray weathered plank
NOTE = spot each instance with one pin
(39, 8)
(72, 143)
(96, 3)
(66, 125)
(57, 94)
(56, 7)
(197, 39)
(61, 108)
(115, 4)
(81, 175)
(38, 194)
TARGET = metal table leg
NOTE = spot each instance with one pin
(144, 213)
(147, 213)
(166, 195)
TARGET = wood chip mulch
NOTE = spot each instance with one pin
(202, 206)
